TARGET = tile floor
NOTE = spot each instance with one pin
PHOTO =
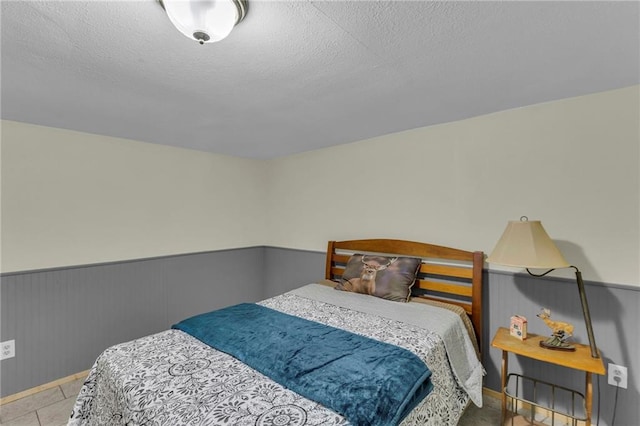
(488, 415)
(52, 407)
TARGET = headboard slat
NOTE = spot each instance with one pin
(450, 271)
(440, 287)
(336, 272)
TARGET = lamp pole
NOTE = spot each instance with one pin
(585, 311)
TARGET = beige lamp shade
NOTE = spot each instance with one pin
(525, 244)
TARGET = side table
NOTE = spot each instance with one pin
(580, 359)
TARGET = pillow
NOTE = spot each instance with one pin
(390, 278)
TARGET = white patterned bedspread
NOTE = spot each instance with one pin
(173, 379)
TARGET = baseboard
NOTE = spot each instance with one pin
(10, 398)
(492, 394)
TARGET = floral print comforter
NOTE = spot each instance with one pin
(173, 379)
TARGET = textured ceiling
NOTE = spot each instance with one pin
(301, 75)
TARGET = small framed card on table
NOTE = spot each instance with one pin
(518, 327)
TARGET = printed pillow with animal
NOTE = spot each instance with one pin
(386, 277)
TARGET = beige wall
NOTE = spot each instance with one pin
(72, 198)
(573, 164)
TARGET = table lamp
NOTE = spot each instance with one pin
(525, 244)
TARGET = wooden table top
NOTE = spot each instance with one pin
(580, 359)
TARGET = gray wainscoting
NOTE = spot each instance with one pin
(286, 269)
(62, 319)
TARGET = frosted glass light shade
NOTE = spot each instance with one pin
(205, 21)
(525, 244)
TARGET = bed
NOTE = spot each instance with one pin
(314, 355)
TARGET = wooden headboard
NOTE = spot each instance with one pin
(446, 274)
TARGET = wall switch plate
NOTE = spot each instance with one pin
(7, 349)
(617, 375)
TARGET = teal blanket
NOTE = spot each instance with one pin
(366, 381)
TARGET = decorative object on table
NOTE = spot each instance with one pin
(518, 327)
(205, 21)
(525, 244)
(561, 331)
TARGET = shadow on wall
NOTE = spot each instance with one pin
(575, 256)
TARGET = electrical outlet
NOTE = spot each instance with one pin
(7, 349)
(617, 375)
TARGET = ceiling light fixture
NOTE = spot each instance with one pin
(205, 21)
